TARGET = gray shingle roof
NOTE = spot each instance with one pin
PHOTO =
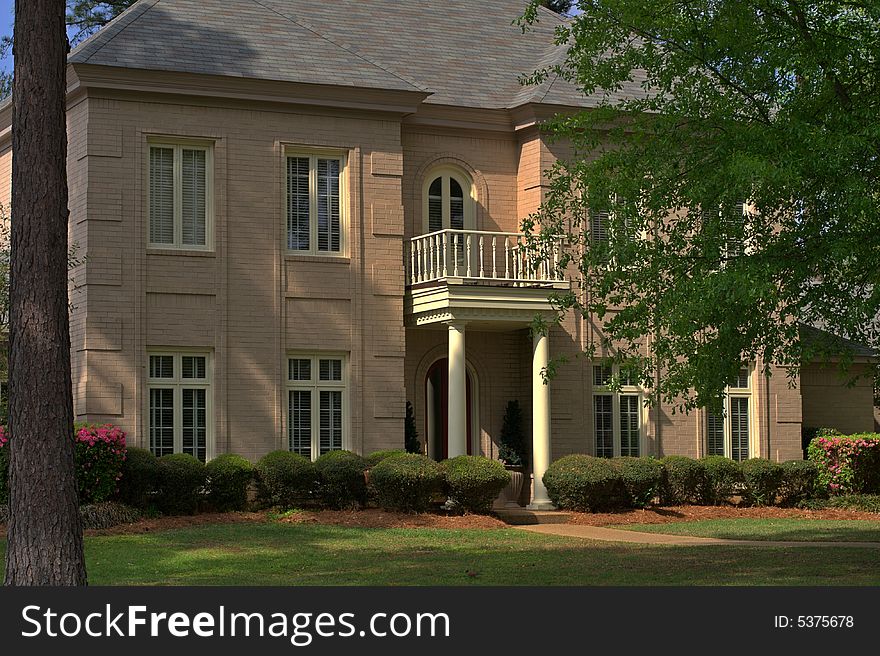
(823, 340)
(465, 52)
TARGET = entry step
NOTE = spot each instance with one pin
(524, 516)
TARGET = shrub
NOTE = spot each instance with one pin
(809, 433)
(107, 514)
(641, 479)
(859, 502)
(798, 481)
(410, 433)
(406, 482)
(847, 464)
(474, 482)
(684, 481)
(229, 477)
(512, 449)
(762, 479)
(284, 479)
(341, 482)
(723, 475)
(378, 456)
(181, 481)
(579, 482)
(140, 478)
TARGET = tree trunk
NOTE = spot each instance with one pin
(45, 531)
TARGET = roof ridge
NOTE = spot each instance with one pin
(121, 22)
(314, 30)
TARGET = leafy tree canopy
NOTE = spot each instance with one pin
(707, 104)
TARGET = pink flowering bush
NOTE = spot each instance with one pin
(848, 464)
(100, 453)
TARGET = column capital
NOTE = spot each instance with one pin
(457, 324)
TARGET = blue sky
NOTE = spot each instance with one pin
(6, 27)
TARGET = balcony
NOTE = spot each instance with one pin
(478, 277)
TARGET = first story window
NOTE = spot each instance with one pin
(179, 389)
(617, 415)
(316, 407)
(729, 433)
(315, 204)
(179, 191)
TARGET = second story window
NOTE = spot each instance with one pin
(448, 202)
(180, 196)
(315, 203)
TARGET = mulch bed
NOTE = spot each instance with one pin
(672, 514)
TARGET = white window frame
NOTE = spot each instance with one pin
(178, 383)
(179, 146)
(726, 252)
(467, 187)
(616, 394)
(316, 386)
(735, 392)
(314, 154)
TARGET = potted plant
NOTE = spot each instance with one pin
(512, 452)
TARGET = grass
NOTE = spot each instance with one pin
(799, 530)
(289, 554)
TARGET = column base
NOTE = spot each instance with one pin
(541, 505)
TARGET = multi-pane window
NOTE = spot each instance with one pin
(315, 203)
(617, 415)
(179, 196)
(727, 223)
(448, 203)
(729, 434)
(179, 396)
(316, 404)
(615, 220)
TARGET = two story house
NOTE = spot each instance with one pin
(296, 217)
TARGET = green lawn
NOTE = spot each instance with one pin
(288, 554)
(770, 529)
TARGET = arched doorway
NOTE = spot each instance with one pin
(437, 410)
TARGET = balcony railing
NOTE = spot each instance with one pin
(496, 257)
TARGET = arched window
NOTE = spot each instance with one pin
(449, 201)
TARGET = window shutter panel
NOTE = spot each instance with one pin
(161, 421)
(194, 408)
(194, 197)
(629, 425)
(456, 205)
(739, 428)
(161, 195)
(328, 205)
(330, 421)
(298, 202)
(300, 422)
(435, 206)
(602, 421)
(599, 227)
(714, 435)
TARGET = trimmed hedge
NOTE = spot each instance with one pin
(181, 481)
(723, 476)
(407, 482)
(641, 479)
(684, 481)
(285, 479)
(107, 514)
(378, 456)
(762, 479)
(847, 464)
(229, 477)
(798, 482)
(860, 502)
(474, 482)
(140, 478)
(341, 481)
(580, 482)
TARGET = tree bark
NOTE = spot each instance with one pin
(45, 530)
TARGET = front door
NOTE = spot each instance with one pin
(437, 415)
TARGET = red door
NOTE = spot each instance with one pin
(438, 374)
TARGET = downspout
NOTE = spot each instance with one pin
(767, 406)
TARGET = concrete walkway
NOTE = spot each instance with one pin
(634, 537)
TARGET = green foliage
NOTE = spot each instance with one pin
(512, 448)
(181, 482)
(107, 514)
(641, 479)
(859, 502)
(229, 477)
(848, 464)
(284, 479)
(798, 482)
(701, 107)
(410, 432)
(579, 482)
(99, 453)
(723, 475)
(763, 480)
(140, 478)
(407, 482)
(474, 482)
(341, 481)
(684, 481)
(378, 456)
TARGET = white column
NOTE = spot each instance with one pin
(457, 425)
(540, 421)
